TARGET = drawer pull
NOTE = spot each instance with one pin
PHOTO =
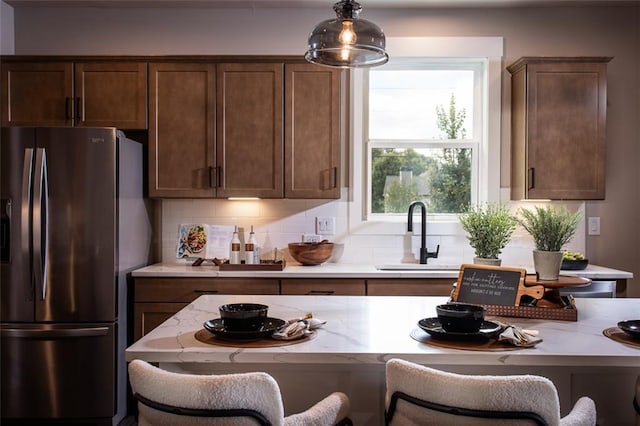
(206, 291)
(321, 292)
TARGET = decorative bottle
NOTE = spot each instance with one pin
(250, 248)
(234, 257)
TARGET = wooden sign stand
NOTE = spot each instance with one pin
(499, 290)
(493, 285)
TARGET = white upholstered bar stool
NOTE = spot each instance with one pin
(419, 395)
(167, 398)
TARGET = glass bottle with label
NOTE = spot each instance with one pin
(250, 248)
(234, 256)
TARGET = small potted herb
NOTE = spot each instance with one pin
(489, 230)
(551, 228)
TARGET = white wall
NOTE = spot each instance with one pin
(6, 29)
(544, 31)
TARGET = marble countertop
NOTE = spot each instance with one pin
(373, 329)
(344, 270)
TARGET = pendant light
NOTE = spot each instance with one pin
(347, 41)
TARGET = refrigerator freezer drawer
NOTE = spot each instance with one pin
(58, 371)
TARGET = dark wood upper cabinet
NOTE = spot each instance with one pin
(249, 141)
(182, 101)
(37, 94)
(558, 128)
(112, 94)
(83, 94)
(312, 131)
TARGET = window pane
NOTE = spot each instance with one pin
(440, 177)
(403, 104)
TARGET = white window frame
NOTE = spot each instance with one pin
(489, 49)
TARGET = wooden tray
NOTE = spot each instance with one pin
(267, 266)
(563, 314)
(205, 337)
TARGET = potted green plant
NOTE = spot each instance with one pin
(551, 228)
(489, 230)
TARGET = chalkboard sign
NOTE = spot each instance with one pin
(493, 285)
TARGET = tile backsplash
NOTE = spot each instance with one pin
(278, 222)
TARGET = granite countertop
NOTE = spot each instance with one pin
(344, 270)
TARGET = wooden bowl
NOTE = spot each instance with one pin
(310, 254)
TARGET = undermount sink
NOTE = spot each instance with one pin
(417, 267)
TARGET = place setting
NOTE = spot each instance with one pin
(627, 332)
(464, 326)
(248, 325)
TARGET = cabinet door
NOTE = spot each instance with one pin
(559, 129)
(37, 94)
(181, 130)
(312, 131)
(112, 94)
(323, 287)
(148, 316)
(157, 299)
(249, 130)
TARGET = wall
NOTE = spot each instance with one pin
(527, 31)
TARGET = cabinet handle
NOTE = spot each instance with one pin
(79, 114)
(68, 109)
(215, 176)
(531, 177)
(206, 291)
(334, 182)
(320, 293)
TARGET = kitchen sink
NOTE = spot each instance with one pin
(417, 267)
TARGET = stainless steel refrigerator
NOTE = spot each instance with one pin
(74, 224)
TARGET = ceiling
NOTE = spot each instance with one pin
(309, 3)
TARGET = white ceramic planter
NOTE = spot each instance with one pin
(547, 264)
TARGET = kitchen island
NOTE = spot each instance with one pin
(362, 332)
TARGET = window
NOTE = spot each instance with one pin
(425, 126)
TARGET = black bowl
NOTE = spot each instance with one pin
(460, 317)
(243, 316)
(574, 265)
(631, 327)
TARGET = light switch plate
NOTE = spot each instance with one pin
(594, 225)
(326, 225)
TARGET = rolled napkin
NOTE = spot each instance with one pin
(298, 328)
(518, 337)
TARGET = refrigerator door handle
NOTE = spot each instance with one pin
(40, 223)
(25, 211)
(53, 333)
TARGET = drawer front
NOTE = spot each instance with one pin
(188, 289)
(410, 287)
(324, 287)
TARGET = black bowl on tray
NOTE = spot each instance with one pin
(631, 328)
(243, 316)
(460, 317)
(574, 265)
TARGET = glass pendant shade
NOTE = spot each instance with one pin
(347, 41)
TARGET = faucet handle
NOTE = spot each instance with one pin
(433, 254)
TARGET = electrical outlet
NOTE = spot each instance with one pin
(311, 238)
(326, 225)
(594, 225)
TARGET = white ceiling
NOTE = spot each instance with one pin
(309, 3)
